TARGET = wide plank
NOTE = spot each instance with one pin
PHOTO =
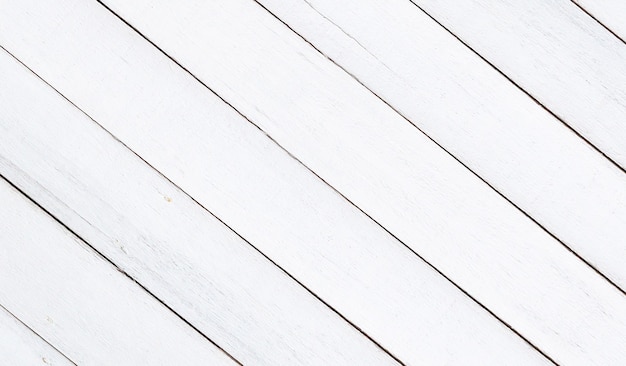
(610, 13)
(557, 53)
(19, 345)
(477, 115)
(242, 176)
(391, 171)
(80, 303)
(161, 238)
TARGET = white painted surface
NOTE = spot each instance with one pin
(20, 346)
(161, 238)
(385, 166)
(556, 52)
(239, 174)
(479, 116)
(345, 134)
(610, 12)
(81, 304)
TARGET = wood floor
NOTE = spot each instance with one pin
(312, 182)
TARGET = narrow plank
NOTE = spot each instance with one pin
(311, 231)
(161, 238)
(610, 13)
(384, 165)
(21, 346)
(477, 115)
(80, 303)
(557, 53)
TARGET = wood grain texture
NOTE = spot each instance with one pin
(477, 115)
(610, 13)
(20, 346)
(80, 303)
(162, 239)
(390, 170)
(238, 173)
(557, 53)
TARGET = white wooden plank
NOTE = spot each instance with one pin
(388, 168)
(557, 53)
(240, 174)
(162, 239)
(80, 303)
(477, 115)
(20, 346)
(611, 13)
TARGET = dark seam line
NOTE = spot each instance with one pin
(596, 270)
(455, 158)
(492, 187)
(206, 209)
(598, 21)
(523, 90)
(393, 235)
(199, 204)
(35, 333)
(115, 266)
(333, 188)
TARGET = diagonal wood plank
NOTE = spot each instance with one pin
(477, 115)
(557, 54)
(310, 230)
(19, 345)
(333, 125)
(565, 289)
(81, 304)
(609, 13)
(162, 239)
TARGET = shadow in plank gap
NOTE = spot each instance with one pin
(77, 301)
(350, 265)
(387, 168)
(502, 265)
(558, 54)
(479, 117)
(609, 13)
(19, 345)
(161, 238)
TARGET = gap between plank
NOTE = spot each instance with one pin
(525, 92)
(110, 262)
(551, 113)
(31, 329)
(328, 184)
(598, 21)
(596, 270)
(196, 202)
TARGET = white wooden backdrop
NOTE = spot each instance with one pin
(312, 182)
